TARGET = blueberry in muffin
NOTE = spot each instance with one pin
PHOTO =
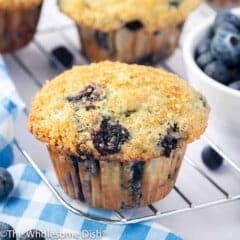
(117, 133)
(110, 137)
(118, 30)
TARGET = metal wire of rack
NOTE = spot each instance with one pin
(31, 78)
(121, 219)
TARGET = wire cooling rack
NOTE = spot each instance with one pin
(31, 66)
(137, 215)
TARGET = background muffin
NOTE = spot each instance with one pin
(224, 3)
(18, 21)
(129, 30)
(117, 133)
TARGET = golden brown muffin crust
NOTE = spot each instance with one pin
(107, 15)
(149, 103)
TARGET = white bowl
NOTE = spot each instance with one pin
(224, 101)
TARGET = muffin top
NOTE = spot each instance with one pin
(117, 111)
(18, 3)
(107, 15)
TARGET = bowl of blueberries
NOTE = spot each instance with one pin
(212, 56)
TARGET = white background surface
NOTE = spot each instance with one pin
(30, 67)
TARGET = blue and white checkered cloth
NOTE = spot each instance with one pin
(10, 104)
(32, 205)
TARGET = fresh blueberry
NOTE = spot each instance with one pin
(225, 47)
(135, 25)
(218, 71)
(235, 85)
(33, 234)
(211, 158)
(226, 26)
(226, 16)
(203, 47)
(110, 137)
(64, 56)
(235, 74)
(7, 232)
(6, 183)
(204, 59)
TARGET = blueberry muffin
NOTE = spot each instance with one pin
(117, 133)
(224, 3)
(129, 31)
(18, 21)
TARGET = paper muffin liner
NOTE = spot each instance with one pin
(224, 3)
(17, 27)
(116, 185)
(130, 46)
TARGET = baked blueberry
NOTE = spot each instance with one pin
(135, 25)
(88, 94)
(6, 183)
(75, 163)
(170, 141)
(92, 165)
(180, 26)
(235, 85)
(64, 56)
(226, 16)
(137, 169)
(145, 60)
(168, 144)
(136, 182)
(110, 137)
(203, 47)
(33, 234)
(211, 158)
(74, 158)
(7, 232)
(218, 71)
(204, 101)
(204, 59)
(102, 40)
(225, 47)
(175, 3)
